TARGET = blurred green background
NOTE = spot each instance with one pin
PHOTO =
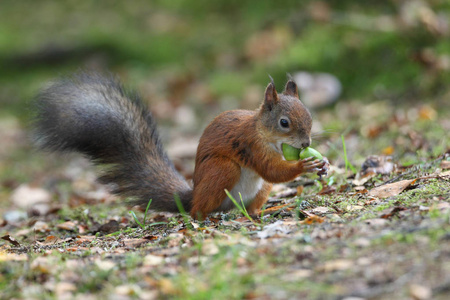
(206, 52)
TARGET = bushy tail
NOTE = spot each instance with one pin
(95, 116)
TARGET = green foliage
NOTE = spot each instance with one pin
(348, 164)
(239, 206)
(200, 38)
(142, 225)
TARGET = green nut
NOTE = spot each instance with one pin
(290, 153)
(309, 152)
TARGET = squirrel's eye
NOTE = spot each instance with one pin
(284, 123)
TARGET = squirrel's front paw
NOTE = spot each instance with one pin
(323, 171)
(310, 164)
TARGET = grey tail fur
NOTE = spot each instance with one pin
(95, 116)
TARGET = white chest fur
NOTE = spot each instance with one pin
(249, 184)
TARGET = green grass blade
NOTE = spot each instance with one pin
(183, 212)
(146, 210)
(239, 206)
(136, 219)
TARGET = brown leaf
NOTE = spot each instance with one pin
(69, 225)
(242, 220)
(326, 190)
(274, 209)
(53, 240)
(86, 238)
(313, 219)
(354, 207)
(50, 240)
(392, 189)
(11, 240)
(151, 237)
(320, 210)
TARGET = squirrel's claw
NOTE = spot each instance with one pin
(323, 171)
(310, 165)
(321, 166)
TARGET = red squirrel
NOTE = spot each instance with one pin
(240, 150)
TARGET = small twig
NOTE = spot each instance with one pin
(398, 177)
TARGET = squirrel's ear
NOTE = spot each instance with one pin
(291, 89)
(270, 96)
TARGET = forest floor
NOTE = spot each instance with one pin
(380, 231)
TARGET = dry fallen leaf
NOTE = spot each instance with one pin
(392, 189)
(274, 209)
(354, 207)
(11, 240)
(69, 225)
(85, 239)
(50, 240)
(320, 210)
(312, 219)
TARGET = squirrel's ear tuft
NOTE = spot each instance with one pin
(270, 96)
(291, 89)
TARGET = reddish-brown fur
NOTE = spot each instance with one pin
(242, 139)
(240, 150)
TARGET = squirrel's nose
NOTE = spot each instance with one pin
(306, 144)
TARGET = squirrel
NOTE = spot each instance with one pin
(239, 151)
